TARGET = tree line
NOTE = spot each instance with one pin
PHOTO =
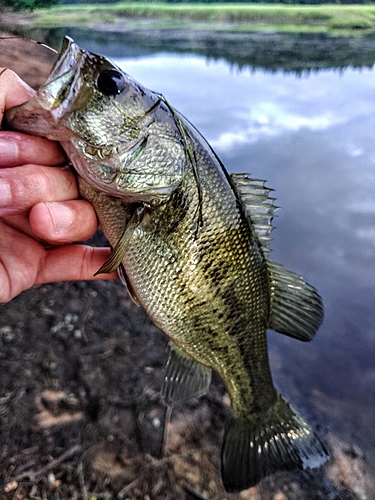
(17, 5)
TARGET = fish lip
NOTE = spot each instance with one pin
(54, 94)
(34, 116)
(70, 56)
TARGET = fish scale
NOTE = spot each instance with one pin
(192, 245)
(230, 287)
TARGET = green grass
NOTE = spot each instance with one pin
(242, 17)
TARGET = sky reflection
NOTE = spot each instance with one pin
(232, 106)
(312, 137)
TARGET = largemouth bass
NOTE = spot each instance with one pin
(191, 244)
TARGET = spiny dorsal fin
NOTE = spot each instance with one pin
(184, 378)
(258, 206)
(296, 307)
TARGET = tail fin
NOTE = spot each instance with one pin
(278, 440)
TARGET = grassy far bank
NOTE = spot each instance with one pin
(339, 19)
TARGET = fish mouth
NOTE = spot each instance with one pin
(44, 110)
(58, 89)
(69, 58)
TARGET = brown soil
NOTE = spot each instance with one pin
(30, 61)
(80, 410)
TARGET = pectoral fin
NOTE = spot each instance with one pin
(296, 307)
(118, 253)
(184, 378)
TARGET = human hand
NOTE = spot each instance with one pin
(40, 213)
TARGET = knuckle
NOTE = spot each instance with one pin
(39, 182)
(33, 185)
(69, 182)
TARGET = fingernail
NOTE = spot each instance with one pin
(8, 152)
(5, 194)
(62, 216)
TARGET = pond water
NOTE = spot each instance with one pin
(310, 132)
(311, 135)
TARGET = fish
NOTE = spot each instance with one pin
(191, 243)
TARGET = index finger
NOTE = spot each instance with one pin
(17, 149)
(13, 90)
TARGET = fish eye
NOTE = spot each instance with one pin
(111, 82)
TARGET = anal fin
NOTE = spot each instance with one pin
(184, 378)
(296, 306)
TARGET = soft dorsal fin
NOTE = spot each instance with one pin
(258, 206)
(296, 307)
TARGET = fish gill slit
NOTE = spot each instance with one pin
(139, 118)
(193, 160)
(190, 154)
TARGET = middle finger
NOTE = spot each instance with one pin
(23, 187)
(18, 149)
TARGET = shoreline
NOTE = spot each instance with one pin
(295, 52)
(329, 19)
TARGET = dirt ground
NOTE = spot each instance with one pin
(80, 410)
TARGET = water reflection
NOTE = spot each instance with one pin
(312, 138)
(311, 135)
(236, 107)
(296, 53)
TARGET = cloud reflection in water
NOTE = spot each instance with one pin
(313, 138)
